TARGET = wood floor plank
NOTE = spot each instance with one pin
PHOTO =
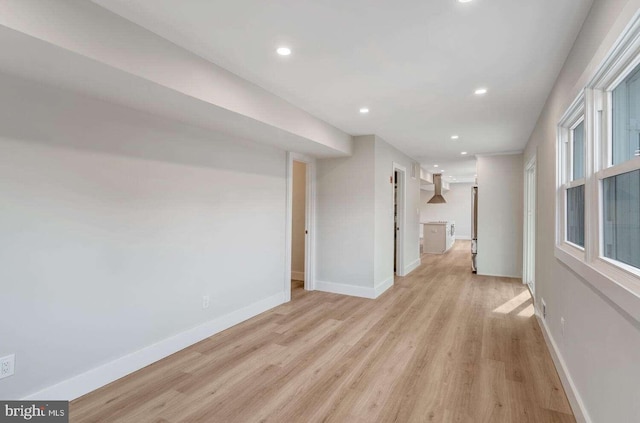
(441, 345)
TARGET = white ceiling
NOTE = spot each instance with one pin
(456, 170)
(414, 64)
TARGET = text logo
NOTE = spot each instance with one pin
(34, 411)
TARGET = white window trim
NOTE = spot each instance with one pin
(617, 281)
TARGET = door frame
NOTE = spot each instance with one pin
(310, 216)
(529, 236)
(402, 208)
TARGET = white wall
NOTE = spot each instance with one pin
(386, 156)
(345, 214)
(114, 224)
(298, 217)
(355, 219)
(600, 342)
(500, 215)
(457, 208)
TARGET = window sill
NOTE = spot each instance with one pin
(620, 288)
(574, 250)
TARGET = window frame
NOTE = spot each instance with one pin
(574, 116)
(604, 168)
(618, 281)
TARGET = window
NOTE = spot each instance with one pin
(572, 175)
(621, 214)
(598, 177)
(575, 215)
(575, 194)
(620, 174)
(626, 119)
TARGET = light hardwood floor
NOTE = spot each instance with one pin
(442, 345)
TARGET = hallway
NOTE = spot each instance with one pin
(441, 345)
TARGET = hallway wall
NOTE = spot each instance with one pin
(114, 225)
(600, 342)
(500, 215)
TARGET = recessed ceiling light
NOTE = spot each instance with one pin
(465, 1)
(283, 51)
(435, 165)
(464, 153)
(364, 110)
(454, 137)
(481, 91)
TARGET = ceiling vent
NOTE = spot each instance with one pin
(437, 197)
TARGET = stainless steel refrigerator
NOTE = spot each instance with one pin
(474, 227)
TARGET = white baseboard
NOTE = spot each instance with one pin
(355, 290)
(498, 276)
(413, 266)
(297, 276)
(577, 405)
(382, 287)
(344, 289)
(93, 379)
(463, 238)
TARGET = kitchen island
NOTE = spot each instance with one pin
(438, 236)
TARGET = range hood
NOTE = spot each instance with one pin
(437, 197)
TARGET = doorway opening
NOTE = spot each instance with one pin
(399, 181)
(529, 250)
(298, 226)
(395, 221)
(299, 237)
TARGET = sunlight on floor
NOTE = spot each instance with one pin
(513, 303)
(527, 312)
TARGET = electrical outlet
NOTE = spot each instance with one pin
(544, 308)
(205, 301)
(562, 325)
(7, 366)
